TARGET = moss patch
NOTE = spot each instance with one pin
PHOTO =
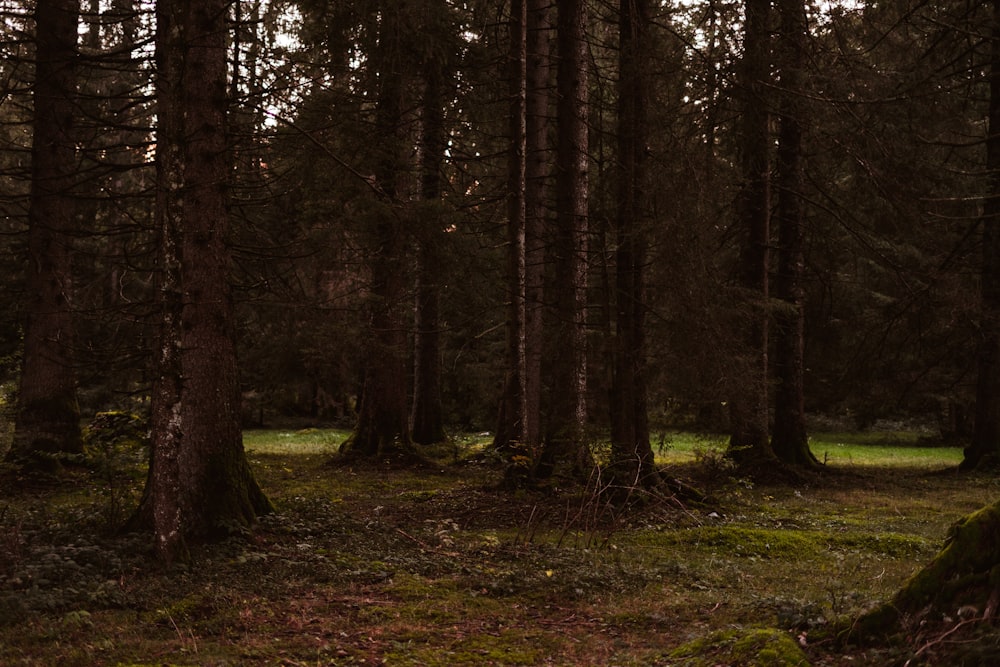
(757, 647)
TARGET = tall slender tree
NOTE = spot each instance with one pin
(537, 176)
(985, 446)
(790, 441)
(631, 452)
(383, 417)
(748, 381)
(565, 440)
(437, 74)
(48, 416)
(510, 436)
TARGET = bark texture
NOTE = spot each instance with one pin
(511, 435)
(202, 483)
(426, 418)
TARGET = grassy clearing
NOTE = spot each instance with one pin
(438, 567)
(886, 448)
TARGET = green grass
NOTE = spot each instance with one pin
(291, 441)
(896, 448)
(885, 448)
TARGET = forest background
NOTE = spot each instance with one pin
(571, 226)
(398, 217)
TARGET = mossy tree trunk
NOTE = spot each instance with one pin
(966, 573)
(48, 416)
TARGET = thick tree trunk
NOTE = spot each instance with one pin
(790, 440)
(218, 490)
(631, 453)
(565, 442)
(748, 394)
(48, 416)
(985, 446)
(202, 483)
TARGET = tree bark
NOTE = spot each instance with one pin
(790, 441)
(510, 435)
(202, 483)
(426, 418)
(985, 446)
(565, 444)
(383, 417)
(748, 392)
(163, 485)
(632, 457)
(48, 416)
(538, 170)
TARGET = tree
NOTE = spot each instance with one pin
(790, 441)
(748, 392)
(631, 453)
(383, 418)
(565, 443)
(426, 415)
(202, 482)
(426, 418)
(537, 174)
(510, 437)
(985, 446)
(48, 416)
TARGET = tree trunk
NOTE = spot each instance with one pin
(748, 395)
(790, 440)
(162, 497)
(48, 416)
(538, 169)
(985, 446)
(966, 572)
(202, 483)
(383, 417)
(565, 444)
(510, 435)
(426, 419)
(631, 453)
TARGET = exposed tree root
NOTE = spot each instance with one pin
(963, 580)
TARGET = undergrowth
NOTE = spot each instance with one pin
(366, 565)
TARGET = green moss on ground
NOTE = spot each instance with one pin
(752, 647)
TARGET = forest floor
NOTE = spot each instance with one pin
(438, 566)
